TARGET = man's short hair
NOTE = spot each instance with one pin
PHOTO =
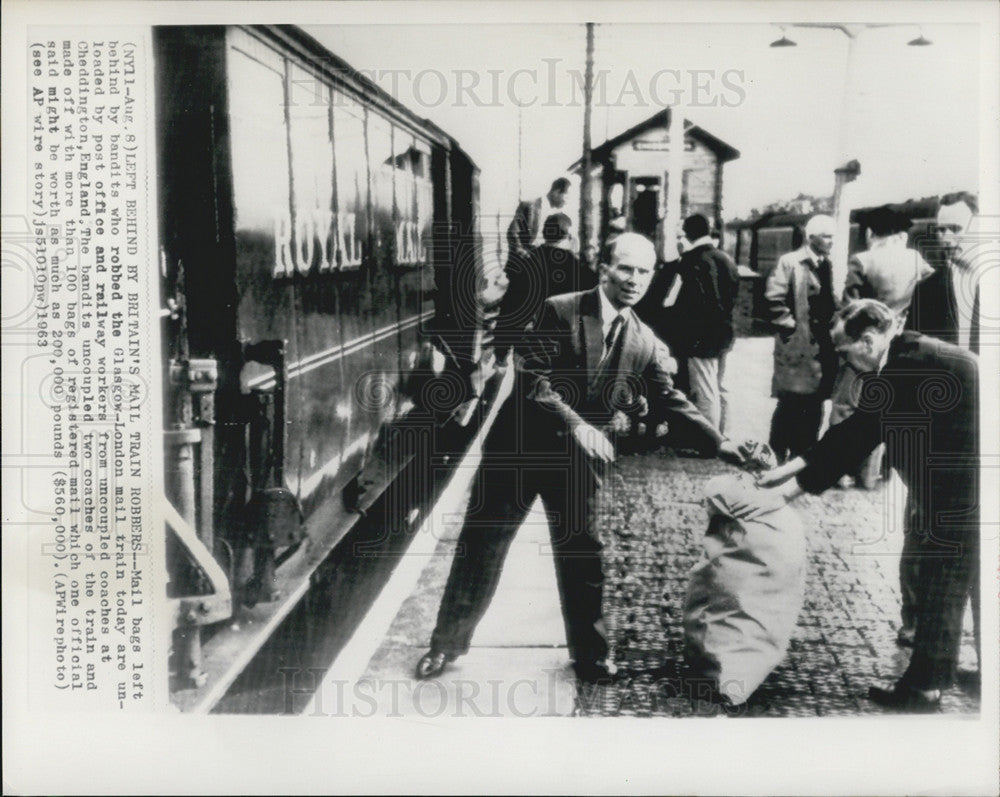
(885, 221)
(955, 197)
(638, 249)
(860, 315)
(556, 228)
(560, 184)
(695, 226)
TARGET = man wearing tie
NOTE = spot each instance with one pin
(799, 295)
(588, 357)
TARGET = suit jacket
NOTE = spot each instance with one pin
(923, 406)
(548, 271)
(935, 310)
(801, 310)
(563, 382)
(523, 229)
(703, 312)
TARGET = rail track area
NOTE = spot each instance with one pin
(330, 661)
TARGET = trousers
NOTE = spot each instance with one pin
(795, 424)
(706, 389)
(935, 581)
(502, 496)
(943, 584)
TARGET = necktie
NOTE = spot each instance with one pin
(823, 306)
(974, 325)
(609, 339)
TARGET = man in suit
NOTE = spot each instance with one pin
(587, 358)
(549, 270)
(918, 396)
(709, 282)
(799, 294)
(525, 229)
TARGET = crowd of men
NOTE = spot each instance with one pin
(889, 366)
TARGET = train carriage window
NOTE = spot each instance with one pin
(380, 158)
(259, 159)
(382, 283)
(312, 174)
(403, 154)
(425, 199)
(352, 181)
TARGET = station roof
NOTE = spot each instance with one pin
(923, 208)
(661, 119)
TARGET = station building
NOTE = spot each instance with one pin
(630, 176)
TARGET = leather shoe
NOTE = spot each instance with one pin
(905, 699)
(593, 673)
(432, 663)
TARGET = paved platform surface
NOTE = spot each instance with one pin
(844, 640)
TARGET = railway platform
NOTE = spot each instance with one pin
(844, 641)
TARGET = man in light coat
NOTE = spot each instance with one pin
(799, 295)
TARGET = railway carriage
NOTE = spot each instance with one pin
(322, 280)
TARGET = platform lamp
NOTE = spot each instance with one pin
(784, 41)
(847, 168)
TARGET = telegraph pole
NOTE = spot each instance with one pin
(520, 196)
(586, 200)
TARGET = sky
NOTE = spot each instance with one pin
(911, 118)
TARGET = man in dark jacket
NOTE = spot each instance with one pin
(525, 229)
(549, 269)
(919, 396)
(946, 304)
(709, 283)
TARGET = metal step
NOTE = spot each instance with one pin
(233, 647)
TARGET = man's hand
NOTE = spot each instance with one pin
(781, 474)
(593, 443)
(619, 424)
(730, 452)
(785, 332)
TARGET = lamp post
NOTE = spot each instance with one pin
(847, 169)
(674, 184)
